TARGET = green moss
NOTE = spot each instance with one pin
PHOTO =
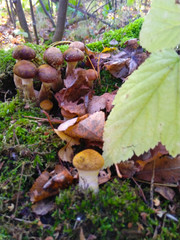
(6, 62)
(24, 141)
(121, 35)
(105, 215)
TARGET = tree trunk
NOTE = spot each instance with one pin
(22, 19)
(61, 19)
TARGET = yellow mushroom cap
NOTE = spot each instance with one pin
(46, 105)
(88, 160)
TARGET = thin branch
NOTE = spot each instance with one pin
(46, 12)
(9, 13)
(33, 21)
(12, 14)
(90, 15)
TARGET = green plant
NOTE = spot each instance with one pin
(147, 106)
(121, 35)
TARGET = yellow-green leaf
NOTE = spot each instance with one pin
(146, 111)
(161, 28)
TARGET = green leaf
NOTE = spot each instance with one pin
(146, 111)
(161, 28)
(130, 2)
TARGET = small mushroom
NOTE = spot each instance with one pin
(88, 163)
(78, 44)
(22, 52)
(54, 57)
(72, 56)
(48, 76)
(92, 75)
(46, 105)
(26, 71)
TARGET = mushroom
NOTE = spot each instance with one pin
(48, 76)
(78, 44)
(88, 163)
(54, 57)
(26, 71)
(22, 52)
(91, 75)
(72, 56)
(46, 105)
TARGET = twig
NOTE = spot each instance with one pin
(58, 121)
(34, 22)
(90, 15)
(152, 185)
(18, 194)
(117, 171)
(18, 219)
(140, 189)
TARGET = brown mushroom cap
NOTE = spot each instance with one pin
(47, 74)
(53, 56)
(88, 160)
(78, 44)
(25, 69)
(22, 52)
(73, 55)
(91, 74)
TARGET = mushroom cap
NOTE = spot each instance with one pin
(47, 74)
(88, 160)
(53, 56)
(25, 69)
(46, 105)
(78, 44)
(91, 74)
(22, 52)
(73, 55)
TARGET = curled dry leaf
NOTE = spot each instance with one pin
(90, 128)
(47, 185)
(98, 103)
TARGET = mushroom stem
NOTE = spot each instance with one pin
(56, 86)
(70, 68)
(45, 91)
(89, 179)
(28, 89)
(18, 84)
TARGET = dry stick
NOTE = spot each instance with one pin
(58, 121)
(9, 13)
(18, 219)
(18, 194)
(140, 189)
(34, 22)
(12, 13)
(152, 185)
(46, 12)
(117, 171)
(90, 15)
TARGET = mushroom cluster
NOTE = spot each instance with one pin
(49, 74)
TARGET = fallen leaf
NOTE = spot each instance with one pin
(47, 185)
(43, 207)
(166, 192)
(66, 153)
(90, 128)
(167, 170)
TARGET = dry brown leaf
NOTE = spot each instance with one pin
(127, 169)
(98, 103)
(167, 170)
(166, 192)
(43, 207)
(66, 153)
(46, 186)
(90, 128)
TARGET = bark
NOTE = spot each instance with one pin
(61, 19)
(22, 19)
(46, 12)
